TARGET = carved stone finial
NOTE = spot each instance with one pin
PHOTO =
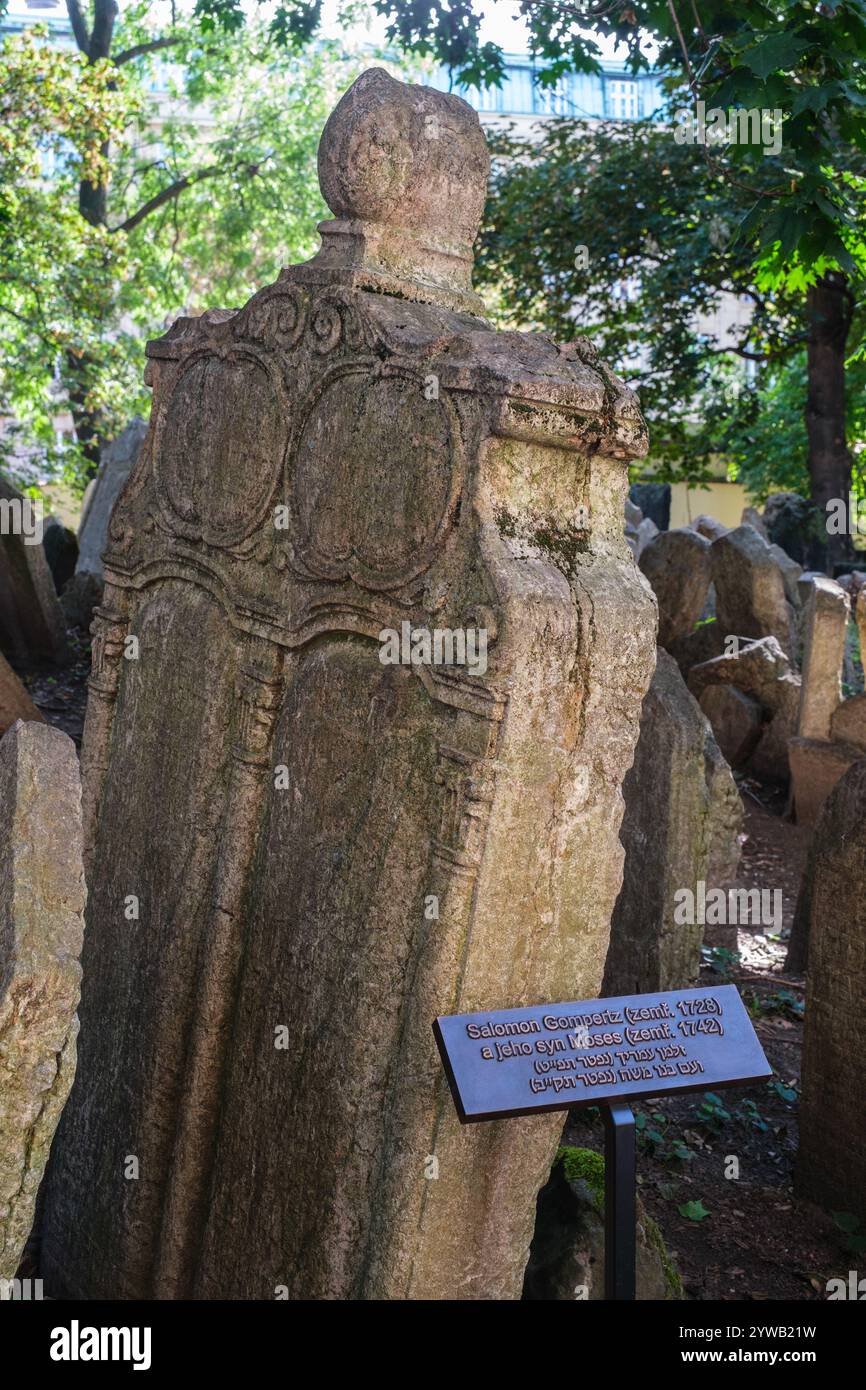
(404, 170)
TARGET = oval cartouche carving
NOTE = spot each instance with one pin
(373, 476)
(221, 448)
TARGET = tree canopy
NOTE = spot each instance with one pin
(175, 172)
(637, 246)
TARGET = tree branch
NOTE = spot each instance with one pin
(685, 51)
(175, 189)
(127, 54)
(778, 351)
(31, 327)
(79, 25)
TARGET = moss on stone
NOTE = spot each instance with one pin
(584, 1165)
(673, 1282)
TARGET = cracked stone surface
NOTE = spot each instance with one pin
(831, 1165)
(41, 924)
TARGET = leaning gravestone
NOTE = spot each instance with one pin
(762, 672)
(299, 855)
(677, 565)
(32, 628)
(750, 589)
(41, 925)
(116, 462)
(15, 703)
(831, 1167)
(682, 821)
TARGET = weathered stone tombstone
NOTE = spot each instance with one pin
(831, 1166)
(32, 629)
(354, 847)
(117, 461)
(41, 925)
(677, 565)
(681, 826)
(818, 761)
(61, 551)
(761, 672)
(654, 500)
(751, 600)
(826, 621)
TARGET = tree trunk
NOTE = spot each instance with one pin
(93, 207)
(93, 197)
(87, 422)
(828, 306)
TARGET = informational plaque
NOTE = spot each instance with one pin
(559, 1056)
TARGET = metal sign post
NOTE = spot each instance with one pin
(620, 1218)
(508, 1062)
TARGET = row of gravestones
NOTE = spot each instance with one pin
(297, 855)
(741, 618)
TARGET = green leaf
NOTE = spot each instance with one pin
(693, 1211)
(776, 53)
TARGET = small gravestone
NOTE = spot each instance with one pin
(654, 500)
(116, 462)
(709, 527)
(750, 590)
(61, 551)
(32, 627)
(848, 724)
(761, 671)
(831, 1167)
(677, 565)
(15, 703)
(41, 923)
(825, 625)
(307, 835)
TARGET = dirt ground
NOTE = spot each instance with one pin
(62, 696)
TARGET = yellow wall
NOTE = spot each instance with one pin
(724, 501)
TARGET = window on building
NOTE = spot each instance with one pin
(622, 99)
(554, 101)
